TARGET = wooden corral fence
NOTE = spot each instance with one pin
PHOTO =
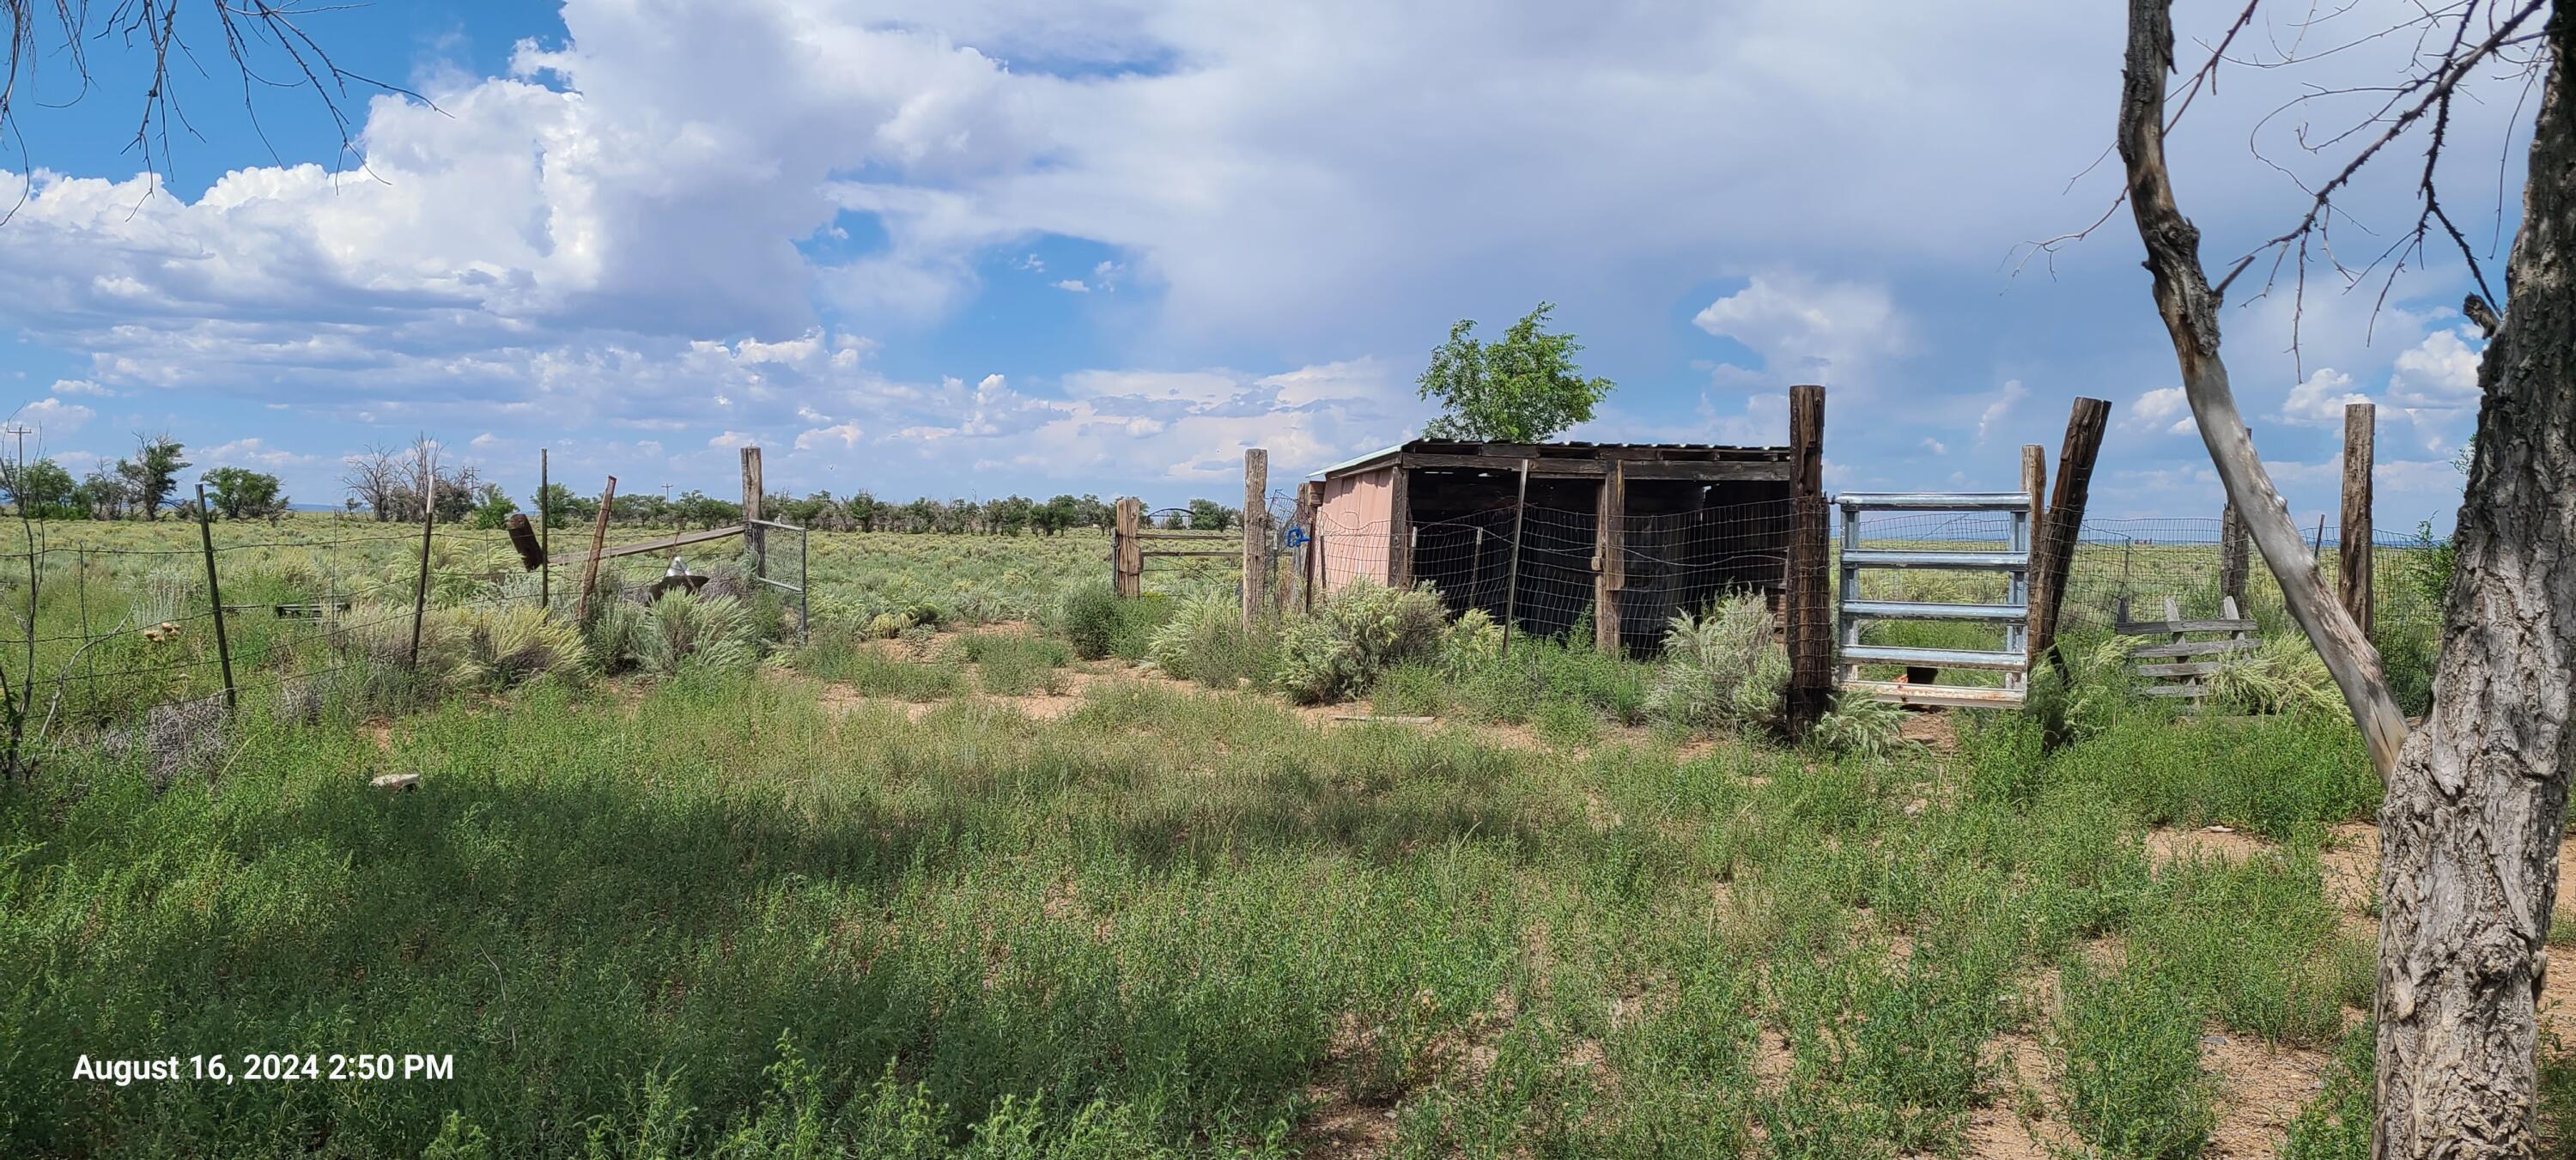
(754, 532)
(1138, 537)
(2175, 667)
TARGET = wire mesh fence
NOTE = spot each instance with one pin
(97, 634)
(2127, 569)
(104, 637)
(1541, 569)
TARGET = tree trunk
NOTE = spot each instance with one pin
(2190, 312)
(2470, 828)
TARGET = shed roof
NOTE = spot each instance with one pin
(1457, 453)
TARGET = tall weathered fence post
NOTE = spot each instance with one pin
(428, 524)
(1609, 556)
(1256, 535)
(215, 597)
(545, 539)
(2034, 480)
(1309, 497)
(754, 536)
(1126, 551)
(2053, 554)
(1806, 606)
(2360, 431)
(1512, 585)
(2232, 553)
(598, 543)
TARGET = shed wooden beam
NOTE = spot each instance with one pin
(1707, 471)
(1399, 529)
(1609, 557)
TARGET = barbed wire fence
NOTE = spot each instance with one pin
(115, 640)
(158, 645)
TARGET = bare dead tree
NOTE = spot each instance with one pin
(2476, 797)
(374, 476)
(265, 42)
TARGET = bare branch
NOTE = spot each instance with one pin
(254, 34)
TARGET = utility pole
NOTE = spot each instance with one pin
(19, 480)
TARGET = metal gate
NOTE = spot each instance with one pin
(773, 563)
(2013, 614)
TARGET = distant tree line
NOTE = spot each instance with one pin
(143, 486)
(390, 483)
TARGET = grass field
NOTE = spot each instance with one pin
(962, 893)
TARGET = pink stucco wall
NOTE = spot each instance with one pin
(1352, 525)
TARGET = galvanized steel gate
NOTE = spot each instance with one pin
(2013, 615)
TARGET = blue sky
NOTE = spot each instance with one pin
(984, 247)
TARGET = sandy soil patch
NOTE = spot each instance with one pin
(2261, 1087)
(2208, 843)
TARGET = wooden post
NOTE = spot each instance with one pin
(1609, 556)
(1256, 535)
(2053, 552)
(1304, 591)
(2232, 552)
(1399, 532)
(2360, 431)
(2034, 483)
(598, 544)
(1126, 551)
(1512, 589)
(1806, 604)
(754, 536)
(215, 597)
(523, 540)
(2034, 480)
(545, 538)
(428, 524)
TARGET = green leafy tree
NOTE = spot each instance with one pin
(153, 473)
(1207, 515)
(560, 504)
(492, 508)
(240, 493)
(1523, 388)
(42, 487)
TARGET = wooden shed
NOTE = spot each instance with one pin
(1548, 533)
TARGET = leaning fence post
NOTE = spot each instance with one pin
(1805, 600)
(215, 597)
(598, 542)
(428, 524)
(2055, 551)
(1303, 588)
